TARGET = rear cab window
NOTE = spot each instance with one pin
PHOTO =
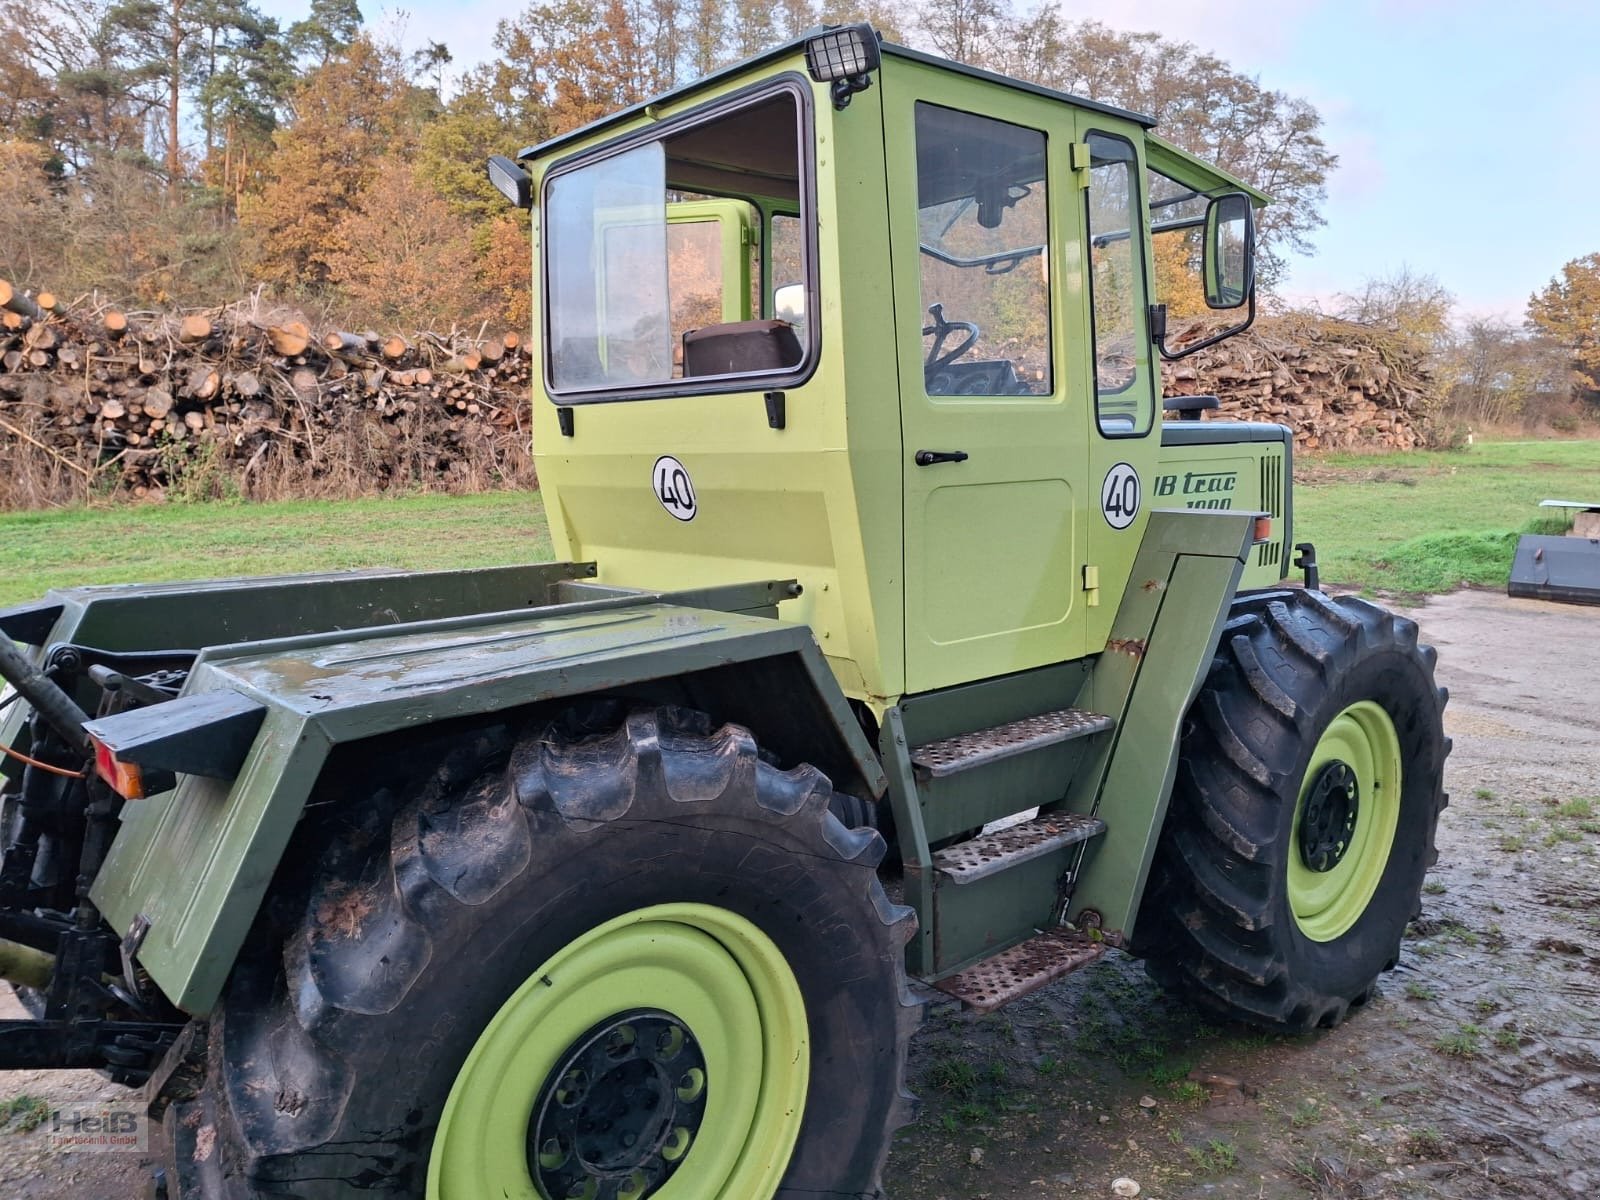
(651, 267)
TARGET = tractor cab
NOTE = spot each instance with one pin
(880, 323)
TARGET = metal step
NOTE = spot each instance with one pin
(1022, 969)
(950, 755)
(990, 853)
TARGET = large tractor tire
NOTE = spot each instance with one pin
(600, 965)
(1310, 782)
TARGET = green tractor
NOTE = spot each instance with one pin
(895, 638)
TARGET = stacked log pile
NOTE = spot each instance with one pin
(1335, 383)
(244, 402)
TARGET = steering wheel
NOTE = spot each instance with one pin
(938, 357)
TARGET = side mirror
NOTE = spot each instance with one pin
(1228, 268)
(511, 181)
(789, 303)
(1230, 251)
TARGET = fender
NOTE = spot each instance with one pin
(1162, 642)
(189, 868)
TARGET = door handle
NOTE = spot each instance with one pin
(926, 458)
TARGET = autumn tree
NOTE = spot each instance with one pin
(345, 115)
(883, 15)
(400, 258)
(30, 227)
(575, 62)
(1413, 304)
(68, 82)
(505, 263)
(1567, 310)
(1494, 370)
(27, 89)
(968, 31)
(1268, 138)
(452, 149)
(1179, 284)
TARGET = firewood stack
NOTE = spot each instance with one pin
(123, 401)
(1336, 384)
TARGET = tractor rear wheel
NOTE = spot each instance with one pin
(598, 964)
(1302, 819)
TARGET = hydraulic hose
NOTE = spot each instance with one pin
(47, 698)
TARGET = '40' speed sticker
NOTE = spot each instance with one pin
(1119, 496)
(674, 488)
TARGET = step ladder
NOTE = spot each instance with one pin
(1024, 968)
(996, 852)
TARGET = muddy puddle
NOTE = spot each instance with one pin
(1474, 1073)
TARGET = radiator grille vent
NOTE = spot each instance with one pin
(1270, 554)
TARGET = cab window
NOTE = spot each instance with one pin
(647, 256)
(1124, 400)
(983, 224)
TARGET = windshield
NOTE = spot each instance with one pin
(643, 290)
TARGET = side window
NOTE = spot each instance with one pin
(787, 265)
(1177, 229)
(1124, 402)
(694, 280)
(786, 280)
(647, 253)
(983, 222)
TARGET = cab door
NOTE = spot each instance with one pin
(985, 219)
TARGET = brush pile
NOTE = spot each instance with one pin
(234, 401)
(1337, 384)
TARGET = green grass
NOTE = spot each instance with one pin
(22, 1113)
(952, 1075)
(1429, 521)
(1216, 1157)
(1414, 522)
(1465, 1042)
(156, 542)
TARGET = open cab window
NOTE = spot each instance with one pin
(650, 256)
(1177, 229)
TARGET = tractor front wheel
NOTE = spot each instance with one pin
(596, 964)
(1302, 820)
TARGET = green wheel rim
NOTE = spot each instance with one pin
(1327, 903)
(712, 970)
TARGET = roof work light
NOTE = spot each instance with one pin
(845, 57)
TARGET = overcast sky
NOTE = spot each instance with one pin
(1468, 131)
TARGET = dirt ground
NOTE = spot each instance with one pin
(1474, 1073)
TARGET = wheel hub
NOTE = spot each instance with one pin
(1328, 821)
(619, 1112)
